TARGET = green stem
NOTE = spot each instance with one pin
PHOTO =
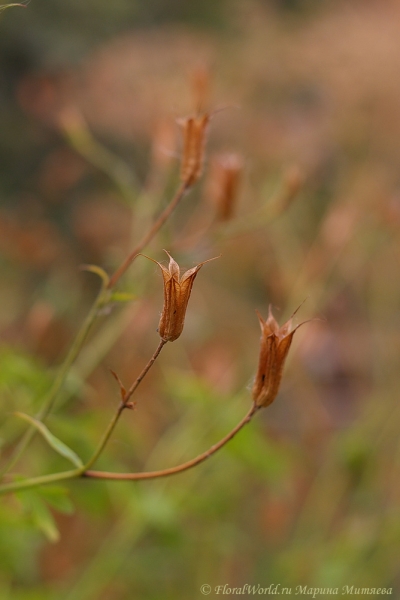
(27, 484)
(106, 436)
(58, 381)
(103, 159)
(71, 356)
(83, 472)
(9, 487)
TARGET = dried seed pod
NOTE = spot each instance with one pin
(177, 290)
(194, 138)
(225, 177)
(274, 348)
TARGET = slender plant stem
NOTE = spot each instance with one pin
(71, 356)
(106, 436)
(137, 382)
(113, 166)
(158, 223)
(178, 469)
(124, 404)
(83, 472)
(33, 482)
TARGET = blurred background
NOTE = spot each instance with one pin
(307, 96)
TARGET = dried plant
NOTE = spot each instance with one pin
(275, 342)
(274, 348)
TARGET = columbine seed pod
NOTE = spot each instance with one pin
(274, 347)
(194, 138)
(177, 291)
(225, 176)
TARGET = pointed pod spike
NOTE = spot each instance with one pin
(261, 320)
(122, 388)
(149, 258)
(209, 260)
(173, 267)
(271, 322)
(197, 268)
(304, 322)
(298, 308)
(164, 269)
(286, 326)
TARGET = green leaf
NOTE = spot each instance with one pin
(122, 297)
(51, 439)
(58, 498)
(39, 515)
(44, 520)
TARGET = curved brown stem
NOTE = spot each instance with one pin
(158, 223)
(179, 468)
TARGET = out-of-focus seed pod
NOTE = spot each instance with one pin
(194, 138)
(224, 183)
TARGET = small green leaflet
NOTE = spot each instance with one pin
(51, 439)
(97, 271)
(122, 297)
(4, 6)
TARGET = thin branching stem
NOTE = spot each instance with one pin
(158, 223)
(83, 472)
(122, 406)
(137, 382)
(179, 468)
(32, 482)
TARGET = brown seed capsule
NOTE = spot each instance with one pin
(194, 137)
(274, 348)
(226, 172)
(177, 291)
